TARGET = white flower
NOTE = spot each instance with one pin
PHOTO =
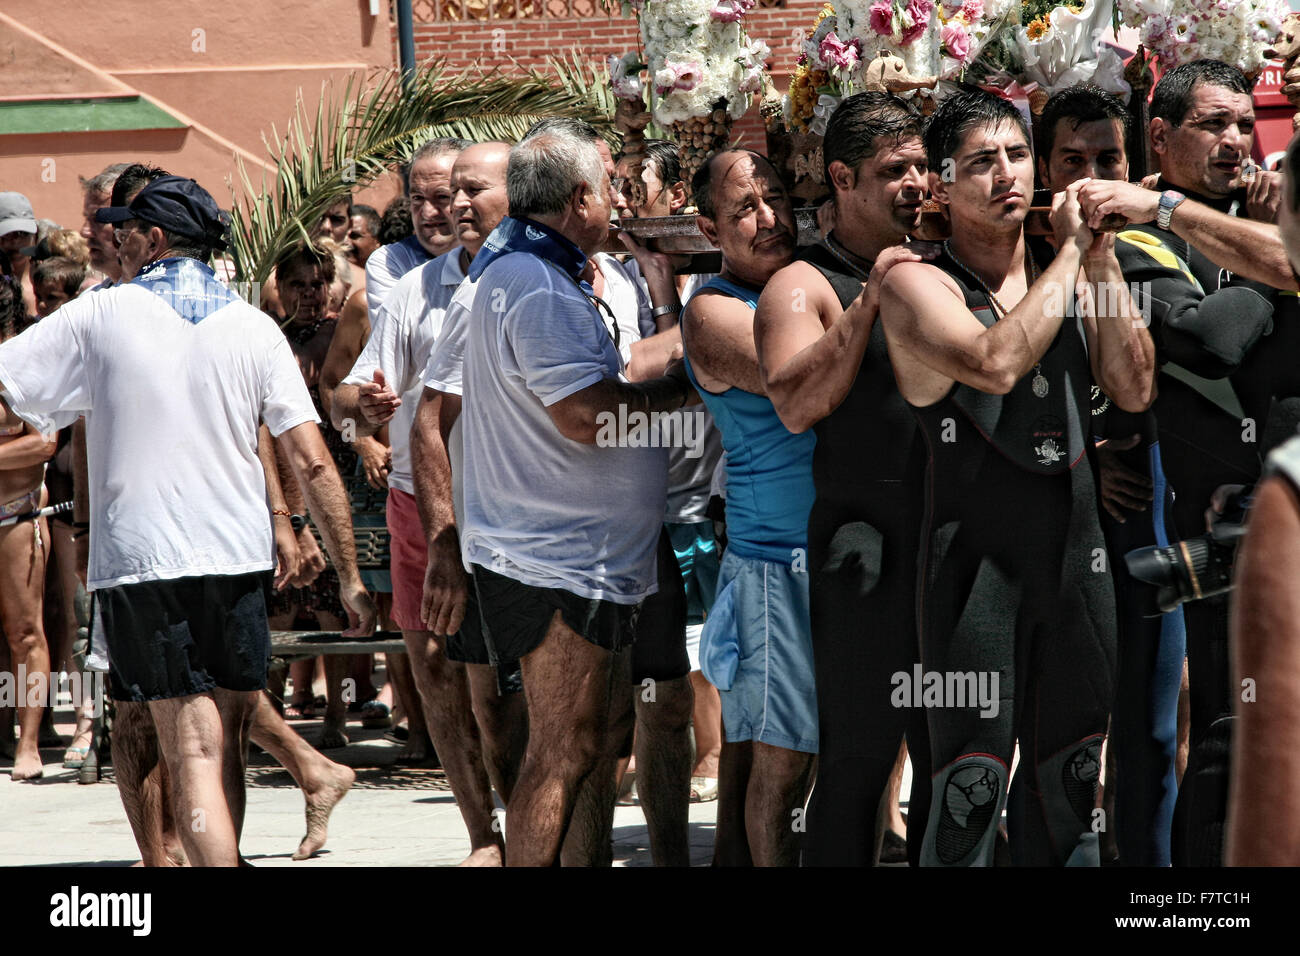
(1182, 29)
(1154, 30)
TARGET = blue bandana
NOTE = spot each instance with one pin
(526, 235)
(190, 287)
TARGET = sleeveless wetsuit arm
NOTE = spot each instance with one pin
(923, 311)
(808, 367)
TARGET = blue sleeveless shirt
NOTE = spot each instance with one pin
(769, 469)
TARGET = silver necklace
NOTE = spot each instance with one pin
(833, 246)
(1039, 384)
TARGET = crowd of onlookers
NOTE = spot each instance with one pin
(767, 533)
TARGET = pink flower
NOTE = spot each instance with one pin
(919, 12)
(834, 52)
(882, 17)
(677, 76)
(730, 11)
(956, 42)
(972, 10)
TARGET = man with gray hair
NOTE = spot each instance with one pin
(559, 578)
(428, 185)
(97, 191)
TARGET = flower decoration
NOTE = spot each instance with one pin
(1062, 46)
(625, 76)
(698, 53)
(731, 11)
(835, 52)
(1238, 32)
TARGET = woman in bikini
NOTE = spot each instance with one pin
(23, 550)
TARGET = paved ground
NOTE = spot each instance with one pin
(394, 816)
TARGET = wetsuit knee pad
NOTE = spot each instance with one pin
(965, 807)
(1068, 782)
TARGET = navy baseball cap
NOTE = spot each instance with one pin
(176, 204)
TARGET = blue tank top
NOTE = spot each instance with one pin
(769, 470)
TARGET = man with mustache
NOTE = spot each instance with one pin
(1009, 584)
(428, 184)
(181, 590)
(1226, 336)
(825, 366)
(384, 387)
(756, 647)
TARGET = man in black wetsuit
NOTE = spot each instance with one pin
(1226, 341)
(825, 365)
(1011, 589)
(1081, 135)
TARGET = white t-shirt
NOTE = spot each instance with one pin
(539, 507)
(173, 387)
(386, 265)
(401, 341)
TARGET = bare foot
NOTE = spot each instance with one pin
(417, 750)
(332, 736)
(484, 856)
(320, 804)
(27, 766)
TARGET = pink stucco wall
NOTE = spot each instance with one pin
(230, 70)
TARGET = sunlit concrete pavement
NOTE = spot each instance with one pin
(394, 816)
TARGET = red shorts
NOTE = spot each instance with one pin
(408, 557)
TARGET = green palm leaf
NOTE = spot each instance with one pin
(364, 128)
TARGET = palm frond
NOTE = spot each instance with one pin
(364, 128)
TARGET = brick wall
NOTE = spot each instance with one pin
(529, 41)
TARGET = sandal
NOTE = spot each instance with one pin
(704, 789)
(399, 734)
(300, 710)
(75, 757)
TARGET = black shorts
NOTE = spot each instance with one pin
(468, 647)
(515, 616)
(660, 649)
(187, 635)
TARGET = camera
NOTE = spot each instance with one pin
(1194, 568)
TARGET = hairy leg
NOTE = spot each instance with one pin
(337, 668)
(503, 727)
(663, 759)
(236, 709)
(589, 840)
(406, 698)
(190, 739)
(707, 720)
(731, 842)
(567, 686)
(143, 785)
(323, 782)
(778, 787)
(443, 690)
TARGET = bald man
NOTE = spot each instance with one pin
(384, 388)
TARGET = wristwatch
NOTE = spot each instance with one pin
(666, 310)
(1169, 200)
